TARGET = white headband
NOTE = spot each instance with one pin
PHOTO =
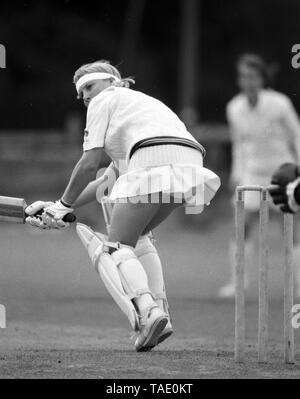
(94, 76)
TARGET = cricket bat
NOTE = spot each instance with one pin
(107, 207)
(13, 210)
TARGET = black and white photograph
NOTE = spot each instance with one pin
(149, 192)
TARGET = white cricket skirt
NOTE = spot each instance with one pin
(175, 171)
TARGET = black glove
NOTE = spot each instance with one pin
(285, 192)
(285, 174)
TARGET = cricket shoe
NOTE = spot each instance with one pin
(168, 330)
(166, 333)
(152, 324)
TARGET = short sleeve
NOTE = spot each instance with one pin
(228, 113)
(291, 122)
(97, 122)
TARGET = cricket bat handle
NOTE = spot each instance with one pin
(68, 218)
(13, 210)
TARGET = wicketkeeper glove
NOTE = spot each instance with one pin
(53, 215)
(285, 189)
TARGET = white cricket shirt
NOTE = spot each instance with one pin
(264, 136)
(118, 117)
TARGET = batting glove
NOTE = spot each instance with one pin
(54, 214)
(34, 212)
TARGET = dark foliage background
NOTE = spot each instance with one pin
(47, 40)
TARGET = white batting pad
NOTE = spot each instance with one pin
(109, 273)
(92, 242)
(108, 270)
(149, 258)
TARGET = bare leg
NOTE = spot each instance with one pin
(129, 221)
(164, 211)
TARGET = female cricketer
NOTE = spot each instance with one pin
(265, 133)
(158, 167)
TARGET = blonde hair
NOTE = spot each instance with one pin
(102, 66)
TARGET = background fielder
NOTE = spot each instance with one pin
(265, 132)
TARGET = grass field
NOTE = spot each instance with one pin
(61, 323)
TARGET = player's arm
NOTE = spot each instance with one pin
(292, 124)
(101, 186)
(89, 193)
(84, 172)
(103, 183)
(98, 116)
